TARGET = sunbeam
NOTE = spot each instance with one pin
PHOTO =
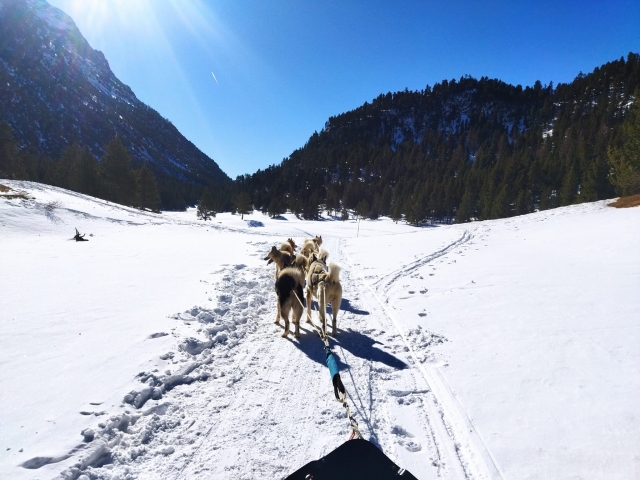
(152, 29)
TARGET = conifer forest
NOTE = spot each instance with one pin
(457, 151)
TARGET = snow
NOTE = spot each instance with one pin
(54, 17)
(499, 349)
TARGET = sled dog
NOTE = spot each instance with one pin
(316, 275)
(310, 246)
(289, 246)
(288, 286)
(280, 258)
(301, 263)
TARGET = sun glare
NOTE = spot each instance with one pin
(142, 15)
(184, 42)
(102, 15)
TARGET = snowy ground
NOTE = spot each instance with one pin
(501, 349)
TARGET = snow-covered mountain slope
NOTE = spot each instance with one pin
(55, 89)
(502, 349)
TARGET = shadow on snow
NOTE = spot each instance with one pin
(345, 306)
(356, 343)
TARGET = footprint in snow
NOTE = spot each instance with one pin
(398, 430)
(157, 335)
(404, 439)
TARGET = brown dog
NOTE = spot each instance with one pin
(310, 246)
(333, 293)
(301, 263)
(280, 258)
(289, 246)
(288, 287)
(325, 286)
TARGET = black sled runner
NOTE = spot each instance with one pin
(353, 460)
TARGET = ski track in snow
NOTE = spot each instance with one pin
(384, 284)
(456, 441)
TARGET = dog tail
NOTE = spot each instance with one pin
(286, 247)
(323, 255)
(334, 273)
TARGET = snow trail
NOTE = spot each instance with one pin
(384, 284)
(221, 402)
(232, 386)
(475, 460)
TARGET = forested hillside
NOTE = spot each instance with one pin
(459, 150)
(115, 176)
(56, 90)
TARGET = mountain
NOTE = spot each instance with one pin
(56, 90)
(460, 149)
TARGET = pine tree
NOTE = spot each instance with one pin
(625, 159)
(276, 207)
(67, 169)
(147, 192)
(463, 214)
(332, 201)
(11, 164)
(172, 198)
(352, 193)
(373, 211)
(522, 205)
(311, 208)
(206, 208)
(396, 210)
(384, 206)
(243, 204)
(363, 208)
(501, 207)
(569, 187)
(89, 174)
(119, 181)
(545, 199)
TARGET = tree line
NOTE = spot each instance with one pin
(463, 150)
(457, 151)
(113, 177)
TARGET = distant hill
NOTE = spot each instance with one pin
(461, 149)
(56, 90)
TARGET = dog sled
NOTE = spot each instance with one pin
(355, 459)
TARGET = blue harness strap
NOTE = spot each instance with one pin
(331, 362)
(338, 387)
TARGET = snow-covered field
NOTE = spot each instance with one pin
(501, 349)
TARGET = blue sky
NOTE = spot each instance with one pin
(283, 68)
